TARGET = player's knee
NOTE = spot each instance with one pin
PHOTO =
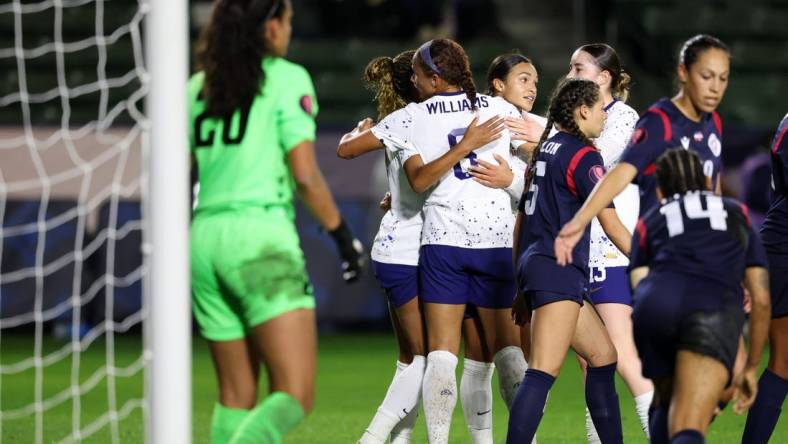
(605, 356)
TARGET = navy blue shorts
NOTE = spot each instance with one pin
(454, 275)
(537, 298)
(778, 285)
(399, 282)
(609, 285)
(662, 326)
(543, 281)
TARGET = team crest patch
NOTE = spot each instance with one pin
(306, 104)
(715, 145)
(596, 173)
(638, 136)
(685, 142)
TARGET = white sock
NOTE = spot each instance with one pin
(591, 434)
(642, 404)
(401, 398)
(401, 432)
(439, 390)
(511, 367)
(476, 398)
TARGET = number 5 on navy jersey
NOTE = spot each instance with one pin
(530, 203)
(460, 172)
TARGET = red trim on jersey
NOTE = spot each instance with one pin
(641, 229)
(650, 169)
(665, 122)
(570, 172)
(746, 212)
(717, 121)
(779, 140)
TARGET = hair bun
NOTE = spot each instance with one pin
(622, 89)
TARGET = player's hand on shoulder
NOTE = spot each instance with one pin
(481, 134)
(351, 252)
(524, 128)
(364, 125)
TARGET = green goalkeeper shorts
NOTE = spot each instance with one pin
(247, 267)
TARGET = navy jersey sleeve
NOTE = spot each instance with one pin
(780, 156)
(585, 169)
(756, 254)
(648, 141)
(639, 255)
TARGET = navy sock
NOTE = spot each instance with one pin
(688, 436)
(658, 425)
(602, 402)
(528, 406)
(765, 412)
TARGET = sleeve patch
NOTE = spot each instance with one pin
(638, 136)
(306, 103)
(596, 173)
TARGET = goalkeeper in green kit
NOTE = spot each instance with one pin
(252, 130)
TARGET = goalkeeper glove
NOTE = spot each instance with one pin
(351, 251)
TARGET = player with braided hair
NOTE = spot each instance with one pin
(465, 256)
(562, 172)
(252, 138)
(395, 251)
(689, 120)
(688, 316)
(608, 283)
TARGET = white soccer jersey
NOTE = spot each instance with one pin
(620, 125)
(458, 210)
(399, 236)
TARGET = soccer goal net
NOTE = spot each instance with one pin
(90, 93)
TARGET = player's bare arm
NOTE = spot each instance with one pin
(422, 176)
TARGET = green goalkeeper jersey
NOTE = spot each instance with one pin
(242, 160)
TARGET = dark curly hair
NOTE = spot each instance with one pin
(567, 97)
(452, 62)
(389, 78)
(680, 171)
(230, 50)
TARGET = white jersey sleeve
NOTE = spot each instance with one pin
(620, 125)
(399, 237)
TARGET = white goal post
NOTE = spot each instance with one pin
(168, 334)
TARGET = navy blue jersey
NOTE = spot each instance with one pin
(566, 171)
(663, 127)
(775, 227)
(706, 238)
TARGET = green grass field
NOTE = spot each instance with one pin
(354, 372)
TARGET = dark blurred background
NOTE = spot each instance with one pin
(334, 39)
